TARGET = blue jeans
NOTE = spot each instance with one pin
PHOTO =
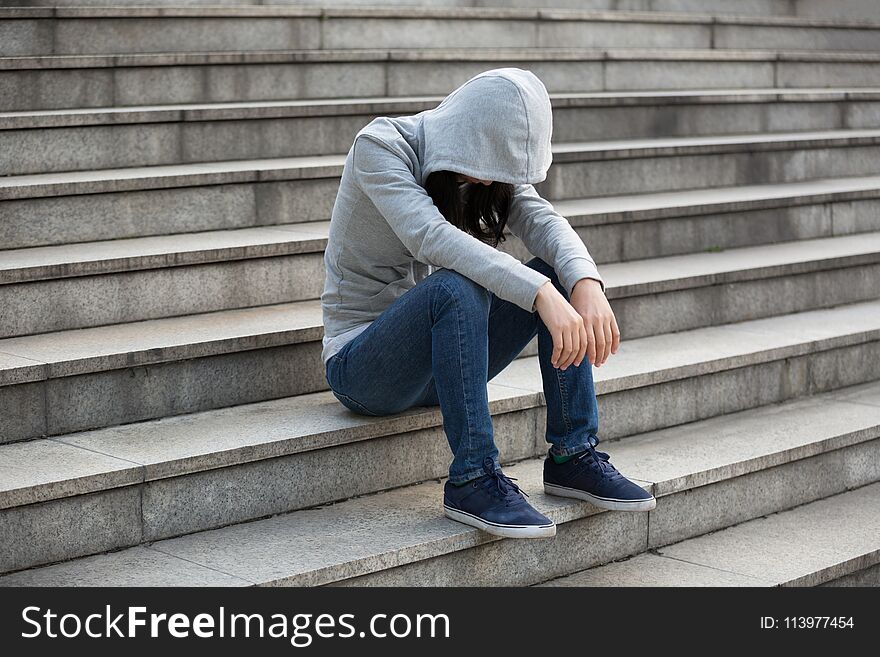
(439, 344)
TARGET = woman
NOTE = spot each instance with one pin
(420, 307)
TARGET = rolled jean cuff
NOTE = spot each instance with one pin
(576, 448)
(471, 474)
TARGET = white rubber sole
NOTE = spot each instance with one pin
(602, 502)
(508, 531)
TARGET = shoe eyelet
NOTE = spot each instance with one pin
(474, 484)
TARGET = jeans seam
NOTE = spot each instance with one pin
(363, 408)
(461, 368)
(563, 393)
(556, 449)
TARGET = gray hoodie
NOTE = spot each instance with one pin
(386, 234)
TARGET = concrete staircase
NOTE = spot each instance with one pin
(168, 176)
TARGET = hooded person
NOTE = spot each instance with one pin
(386, 350)
(386, 233)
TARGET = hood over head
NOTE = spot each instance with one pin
(496, 126)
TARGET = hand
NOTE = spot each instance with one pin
(603, 335)
(565, 325)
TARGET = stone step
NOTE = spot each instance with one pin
(58, 288)
(93, 205)
(851, 9)
(56, 383)
(705, 476)
(124, 30)
(81, 81)
(53, 140)
(718, 205)
(829, 542)
(616, 228)
(675, 163)
(653, 225)
(91, 284)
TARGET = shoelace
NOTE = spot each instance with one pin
(507, 490)
(601, 461)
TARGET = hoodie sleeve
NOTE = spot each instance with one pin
(548, 235)
(386, 179)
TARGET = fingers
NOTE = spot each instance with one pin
(582, 352)
(558, 344)
(591, 343)
(615, 334)
(562, 348)
(596, 336)
(575, 337)
(609, 339)
(599, 334)
(568, 352)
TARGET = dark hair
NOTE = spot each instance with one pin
(466, 204)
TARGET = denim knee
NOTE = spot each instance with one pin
(465, 290)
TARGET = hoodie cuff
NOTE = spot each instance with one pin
(576, 269)
(521, 286)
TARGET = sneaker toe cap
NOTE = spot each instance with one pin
(518, 515)
(631, 490)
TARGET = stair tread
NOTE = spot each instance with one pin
(756, 258)
(243, 328)
(86, 461)
(382, 105)
(403, 525)
(638, 144)
(493, 53)
(34, 263)
(714, 195)
(252, 166)
(410, 12)
(177, 249)
(713, 140)
(808, 544)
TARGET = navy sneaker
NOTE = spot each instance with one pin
(589, 476)
(496, 505)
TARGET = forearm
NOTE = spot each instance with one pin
(551, 237)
